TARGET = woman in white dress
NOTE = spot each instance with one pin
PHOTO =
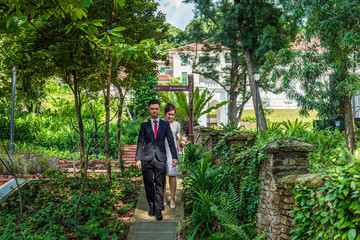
(170, 111)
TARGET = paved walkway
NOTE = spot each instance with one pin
(145, 227)
(9, 187)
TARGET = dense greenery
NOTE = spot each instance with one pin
(331, 211)
(53, 130)
(218, 210)
(142, 96)
(49, 202)
(225, 207)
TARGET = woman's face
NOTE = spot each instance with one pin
(169, 116)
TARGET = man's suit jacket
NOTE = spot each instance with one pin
(148, 146)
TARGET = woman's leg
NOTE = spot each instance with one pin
(172, 183)
(165, 200)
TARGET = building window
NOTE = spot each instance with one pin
(293, 83)
(184, 78)
(184, 60)
(163, 69)
(208, 59)
(228, 60)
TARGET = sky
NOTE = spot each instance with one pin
(177, 13)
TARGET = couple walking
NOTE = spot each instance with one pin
(156, 155)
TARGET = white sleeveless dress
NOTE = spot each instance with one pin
(170, 170)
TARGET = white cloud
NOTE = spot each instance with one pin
(177, 13)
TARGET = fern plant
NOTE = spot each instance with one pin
(227, 212)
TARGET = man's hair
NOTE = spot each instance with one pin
(169, 107)
(154, 101)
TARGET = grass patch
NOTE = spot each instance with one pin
(279, 115)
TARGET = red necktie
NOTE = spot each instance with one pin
(155, 128)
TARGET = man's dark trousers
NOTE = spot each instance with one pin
(152, 153)
(154, 171)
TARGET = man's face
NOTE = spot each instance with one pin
(154, 110)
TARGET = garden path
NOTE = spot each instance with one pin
(145, 227)
(9, 187)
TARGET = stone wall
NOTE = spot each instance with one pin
(208, 137)
(286, 166)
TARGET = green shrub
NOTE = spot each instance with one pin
(26, 160)
(332, 211)
(192, 154)
(202, 187)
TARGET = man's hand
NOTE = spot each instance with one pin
(174, 162)
(138, 164)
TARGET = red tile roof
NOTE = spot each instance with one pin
(161, 77)
(297, 45)
(195, 47)
(164, 77)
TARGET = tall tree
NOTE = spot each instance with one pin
(249, 29)
(142, 21)
(326, 75)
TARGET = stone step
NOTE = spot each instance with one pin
(155, 230)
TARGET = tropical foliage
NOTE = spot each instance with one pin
(331, 211)
(201, 103)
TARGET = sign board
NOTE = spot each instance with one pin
(173, 88)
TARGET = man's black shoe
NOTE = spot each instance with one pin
(158, 215)
(151, 212)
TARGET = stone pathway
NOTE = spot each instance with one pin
(145, 227)
(10, 186)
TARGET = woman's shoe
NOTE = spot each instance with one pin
(172, 206)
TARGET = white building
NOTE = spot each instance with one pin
(180, 67)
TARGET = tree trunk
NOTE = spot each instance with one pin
(118, 139)
(251, 68)
(233, 108)
(30, 108)
(107, 124)
(38, 107)
(349, 124)
(77, 99)
(107, 108)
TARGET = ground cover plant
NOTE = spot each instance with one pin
(331, 211)
(49, 207)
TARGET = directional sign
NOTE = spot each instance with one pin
(173, 88)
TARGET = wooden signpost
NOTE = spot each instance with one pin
(177, 88)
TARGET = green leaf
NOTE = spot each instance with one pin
(353, 185)
(80, 13)
(116, 34)
(120, 2)
(86, 3)
(346, 224)
(27, 56)
(352, 234)
(118, 29)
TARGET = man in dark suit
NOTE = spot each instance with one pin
(151, 157)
